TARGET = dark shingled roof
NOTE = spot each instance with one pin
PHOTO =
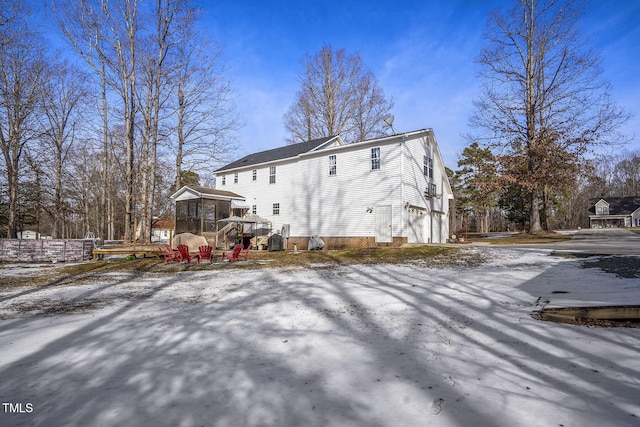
(617, 205)
(276, 154)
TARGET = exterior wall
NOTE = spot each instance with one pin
(342, 207)
(343, 242)
(635, 218)
(435, 227)
(49, 250)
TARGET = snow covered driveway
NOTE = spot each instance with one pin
(384, 345)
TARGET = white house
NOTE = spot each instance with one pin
(388, 191)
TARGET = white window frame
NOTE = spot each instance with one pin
(276, 208)
(235, 178)
(272, 174)
(333, 165)
(254, 175)
(375, 158)
(224, 179)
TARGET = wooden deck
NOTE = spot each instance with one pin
(149, 250)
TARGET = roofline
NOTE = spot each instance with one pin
(381, 140)
(231, 196)
(255, 165)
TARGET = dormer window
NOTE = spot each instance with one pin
(602, 208)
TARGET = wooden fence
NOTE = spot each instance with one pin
(46, 250)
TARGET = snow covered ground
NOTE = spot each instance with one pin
(384, 345)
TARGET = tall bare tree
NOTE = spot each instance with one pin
(64, 100)
(338, 95)
(155, 70)
(106, 34)
(544, 101)
(23, 71)
(205, 118)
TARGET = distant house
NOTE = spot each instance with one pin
(385, 191)
(161, 230)
(614, 212)
(28, 235)
(199, 208)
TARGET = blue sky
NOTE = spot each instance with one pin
(422, 52)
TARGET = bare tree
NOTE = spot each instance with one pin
(23, 70)
(64, 103)
(205, 118)
(338, 96)
(155, 69)
(106, 35)
(544, 101)
(626, 174)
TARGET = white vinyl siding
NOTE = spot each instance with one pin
(345, 205)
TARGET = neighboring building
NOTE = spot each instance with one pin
(614, 212)
(388, 191)
(198, 208)
(162, 230)
(28, 235)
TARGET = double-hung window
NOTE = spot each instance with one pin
(224, 179)
(428, 166)
(255, 175)
(235, 178)
(332, 165)
(272, 174)
(375, 158)
(276, 208)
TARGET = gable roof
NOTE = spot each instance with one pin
(279, 153)
(206, 193)
(617, 205)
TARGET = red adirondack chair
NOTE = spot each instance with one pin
(244, 254)
(205, 253)
(169, 254)
(184, 253)
(233, 256)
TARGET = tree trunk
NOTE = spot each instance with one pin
(534, 212)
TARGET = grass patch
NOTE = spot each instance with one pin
(78, 272)
(520, 238)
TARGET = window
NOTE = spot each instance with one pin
(254, 209)
(428, 166)
(235, 178)
(224, 179)
(276, 208)
(375, 158)
(255, 175)
(603, 210)
(433, 190)
(332, 165)
(272, 175)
